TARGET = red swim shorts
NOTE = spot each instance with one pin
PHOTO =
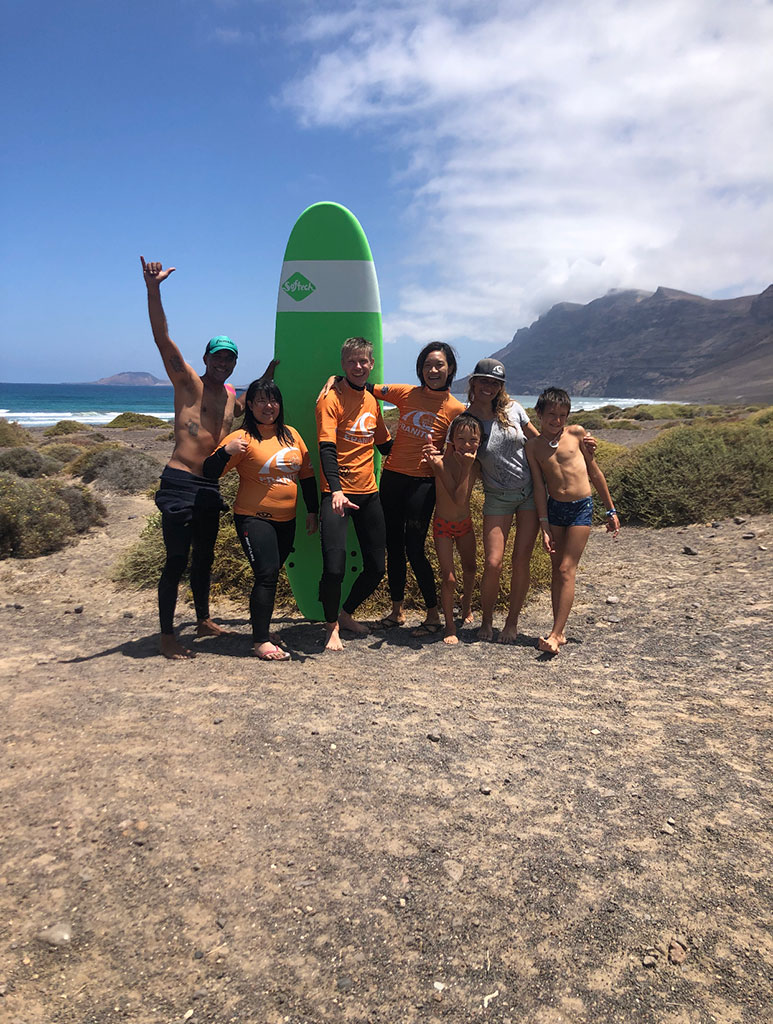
(450, 528)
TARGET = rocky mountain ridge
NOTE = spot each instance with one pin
(661, 344)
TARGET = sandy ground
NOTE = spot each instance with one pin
(404, 831)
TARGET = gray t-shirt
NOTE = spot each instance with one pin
(501, 454)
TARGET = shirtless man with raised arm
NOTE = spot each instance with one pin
(190, 504)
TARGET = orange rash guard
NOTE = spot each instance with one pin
(425, 416)
(353, 422)
(268, 472)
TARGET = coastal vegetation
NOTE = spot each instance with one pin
(695, 473)
(135, 421)
(27, 462)
(39, 516)
(64, 427)
(113, 467)
(12, 435)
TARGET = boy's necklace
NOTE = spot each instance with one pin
(554, 442)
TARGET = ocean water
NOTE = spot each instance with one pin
(40, 405)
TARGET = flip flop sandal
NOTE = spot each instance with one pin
(387, 623)
(276, 655)
(427, 629)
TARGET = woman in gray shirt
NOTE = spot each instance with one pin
(507, 488)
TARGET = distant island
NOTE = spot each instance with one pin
(663, 344)
(133, 378)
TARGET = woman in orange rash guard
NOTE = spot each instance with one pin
(269, 457)
(407, 485)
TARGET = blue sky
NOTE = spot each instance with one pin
(501, 156)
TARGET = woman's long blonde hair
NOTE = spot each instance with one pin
(499, 404)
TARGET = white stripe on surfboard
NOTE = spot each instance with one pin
(328, 286)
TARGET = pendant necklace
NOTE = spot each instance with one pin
(554, 443)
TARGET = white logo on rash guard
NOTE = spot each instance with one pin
(283, 466)
(418, 423)
(362, 430)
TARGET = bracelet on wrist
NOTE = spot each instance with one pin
(543, 519)
(611, 511)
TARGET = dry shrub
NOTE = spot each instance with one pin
(64, 427)
(12, 435)
(136, 421)
(27, 462)
(116, 468)
(696, 473)
(61, 451)
(39, 516)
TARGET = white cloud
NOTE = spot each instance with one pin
(555, 150)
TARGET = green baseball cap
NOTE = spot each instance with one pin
(222, 343)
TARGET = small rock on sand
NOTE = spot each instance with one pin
(57, 935)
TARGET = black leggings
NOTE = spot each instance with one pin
(408, 503)
(266, 545)
(369, 524)
(200, 533)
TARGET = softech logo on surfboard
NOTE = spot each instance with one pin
(298, 287)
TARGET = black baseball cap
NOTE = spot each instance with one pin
(491, 368)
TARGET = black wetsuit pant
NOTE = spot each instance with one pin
(369, 525)
(199, 533)
(408, 503)
(266, 545)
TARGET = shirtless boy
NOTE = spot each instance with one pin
(349, 425)
(204, 408)
(452, 525)
(567, 468)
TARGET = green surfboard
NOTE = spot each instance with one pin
(328, 292)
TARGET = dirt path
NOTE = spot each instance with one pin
(403, 832)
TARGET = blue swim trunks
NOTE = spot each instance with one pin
(570, 513)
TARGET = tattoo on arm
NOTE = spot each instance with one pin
(177, 364)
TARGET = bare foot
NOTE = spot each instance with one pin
(509, 633)
(486, 631)
(450, 638)
(172, 649)
(345, 621)
(268, 651)
(561, 639)
(548, 644)
(468, 618)
(334, 642)
(206, 627)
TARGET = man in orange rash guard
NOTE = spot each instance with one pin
(349, 426)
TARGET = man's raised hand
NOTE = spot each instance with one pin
(154, 272)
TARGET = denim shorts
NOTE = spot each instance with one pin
(505, 503)
(570, 513)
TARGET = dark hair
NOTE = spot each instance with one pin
(465, 419)
(552, 396)
(448, 352)
(270, 390)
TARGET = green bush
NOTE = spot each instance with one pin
(12, 435)
(232, 576)
(27, 462)
(64, 427)
(135, 420)
(622, 425)
(696, 473)
(763, 418)
(116, 468)
(591, 420)
(40, 516)
(61, 451)
(609, 410)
